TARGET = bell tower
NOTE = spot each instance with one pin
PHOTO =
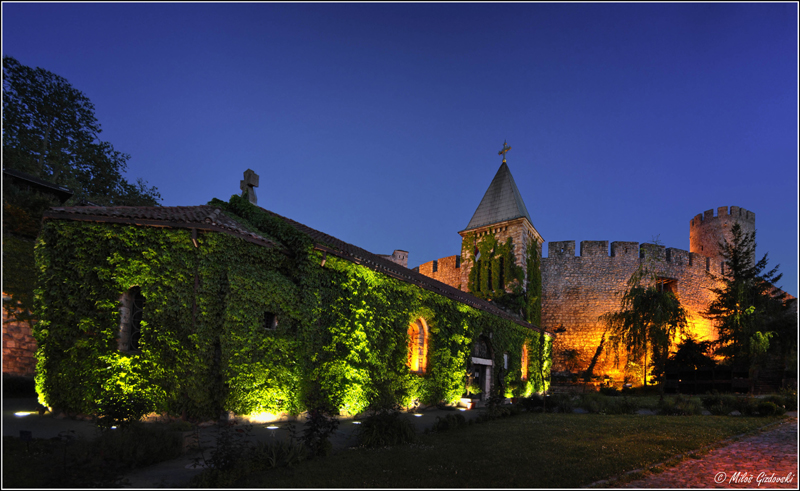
(501, 212)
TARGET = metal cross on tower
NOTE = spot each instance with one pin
(504, 151)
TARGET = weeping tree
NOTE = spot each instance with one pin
(649, 318)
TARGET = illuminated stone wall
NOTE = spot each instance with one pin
(707, 230)
(19, 347)
(447, 270)
(578, 289)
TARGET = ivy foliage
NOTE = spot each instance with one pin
(495, 275)
(234, 326)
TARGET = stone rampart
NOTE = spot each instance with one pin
(576, 290)
(447, 270)
(706, 231)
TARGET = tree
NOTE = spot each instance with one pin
(692, 354)
(649, 319)
(748, 310)
(50, 132)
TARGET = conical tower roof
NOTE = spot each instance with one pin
(501, 202)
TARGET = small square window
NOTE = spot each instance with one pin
(270, 321)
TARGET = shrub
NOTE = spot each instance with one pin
(609, 391)
(386, 428)
(235, 456)
(786, 401)
(559, 403)
(592, 402)
(531, 404)
(265, 455)
(449, 422)
(769, 408)
(719, 404)
(789, 398)
(229, 448)
(318, 429)
(679, 406)
(121, 410)
(621, 405)
(514, 409)
(139, 445)
(747, 406)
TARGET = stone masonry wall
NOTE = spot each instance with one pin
(521, 232)
(707, 230)
(576, 290)
(19, 347)
(447, 270)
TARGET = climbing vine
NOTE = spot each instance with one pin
(495, 275)
(234, 326)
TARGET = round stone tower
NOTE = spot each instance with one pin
(706, 231)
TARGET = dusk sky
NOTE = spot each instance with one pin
(380, 124)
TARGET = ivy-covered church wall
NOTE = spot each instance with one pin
(340, 338)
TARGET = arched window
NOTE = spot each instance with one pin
(482, 348)
(130, 324)
(524, 362)
(417, 345)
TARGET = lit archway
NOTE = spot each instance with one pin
(524, 362)
(418, 345)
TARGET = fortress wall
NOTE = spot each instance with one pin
(707, 229)
(578, 289)
(447, 270)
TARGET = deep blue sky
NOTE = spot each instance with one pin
(380, 124)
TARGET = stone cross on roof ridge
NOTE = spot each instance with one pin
(501, 202)
(248, 185)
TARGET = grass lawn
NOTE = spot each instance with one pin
(527, 450)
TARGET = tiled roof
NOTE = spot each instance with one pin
(202, 217)
(501, 202)
(211, 218)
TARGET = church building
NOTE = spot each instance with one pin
(228, 307)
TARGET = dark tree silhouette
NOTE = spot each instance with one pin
(748, 309)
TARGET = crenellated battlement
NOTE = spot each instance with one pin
(706, 230)
(734, 212)
(626, 251)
